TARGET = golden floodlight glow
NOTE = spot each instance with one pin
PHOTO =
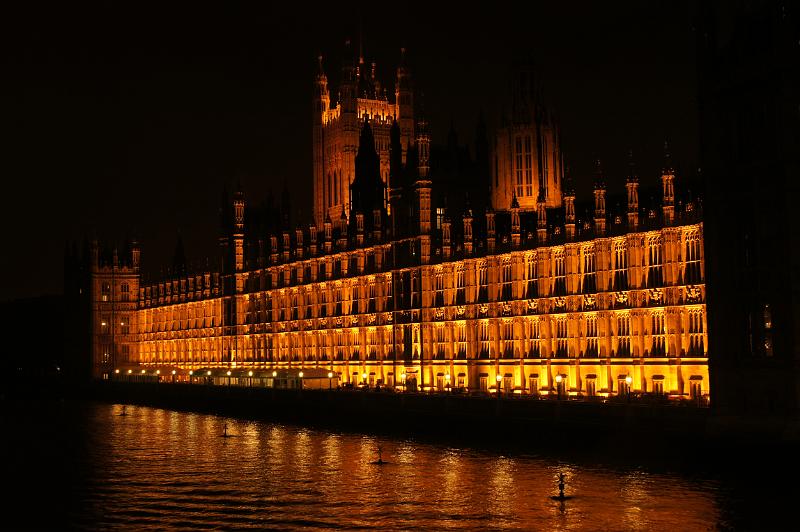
(174, 372)
(250, 373)
(330, 374)
(142, 372)
(300, 374)
(116, 371)
(103, 323)
(558, 378)
(364, 375)
(158, 372)
(447, 377)
(629, 380)
(499, 378)
(228, 373)
(191, 372)
(208, 373)
(130, 371)
(274, 373)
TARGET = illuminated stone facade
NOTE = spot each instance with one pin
(534, 301)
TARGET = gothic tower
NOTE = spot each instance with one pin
(337, 126)
(526, 155)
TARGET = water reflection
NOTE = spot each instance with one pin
(158, 468)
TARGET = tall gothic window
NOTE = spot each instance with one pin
(559, 274)
(589, 283)
(507, 338)
(460, 296)
(461, 341)
(694, 273)
(439, 288)
(696, 327)
(623, 335)
(441, 342)
(620, 258)
(658, 344)
(483, 283)
(528, 167)
(562, 339)
(507, 285)
(655, 263)
(591, 337)
(371, 305)
(483, 339)
(534, 349)
(532, 288)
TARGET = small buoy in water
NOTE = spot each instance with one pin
(380, 460)
(560, 496)
(225, 431)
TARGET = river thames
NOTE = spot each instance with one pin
(84, 465)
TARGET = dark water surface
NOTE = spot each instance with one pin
(83, 465)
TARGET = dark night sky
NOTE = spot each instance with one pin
(131, 119)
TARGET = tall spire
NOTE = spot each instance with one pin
(599, 199)
(667, 168)
(667, 180)
(632, 187)
(569, 204)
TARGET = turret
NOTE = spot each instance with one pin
(328, 230)
(342, 231)
(273, 249)
(395, 178)
(632, 186)
(286, 244)
(541, 218)
(349, 82)
(468, 231)
(422, 190)
(446, 242)
(490, 230)
(377, 225)
(515, 223)
(238, 229)
(668, 180)
(321, 105)
(312, 240)
(136, 254)
(422, 185)
(569, 207)
(599, 199)
(298, 233)
(404, 98)
(359, 229)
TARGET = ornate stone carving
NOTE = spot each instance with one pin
(694, 294)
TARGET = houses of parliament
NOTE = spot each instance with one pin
(428, 268)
